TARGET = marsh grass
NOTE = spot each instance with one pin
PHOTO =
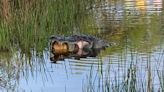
(115, 82)
(28, 24)
(136, 68)
(130, 71)
(25, 28)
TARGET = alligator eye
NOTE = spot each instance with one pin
(55, 42)
(65, 43)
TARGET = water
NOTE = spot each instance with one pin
(133, 63)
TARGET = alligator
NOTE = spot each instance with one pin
(76, 46)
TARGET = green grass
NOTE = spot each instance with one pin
(31, 23)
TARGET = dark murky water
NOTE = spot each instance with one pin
(138, 54)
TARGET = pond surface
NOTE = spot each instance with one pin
(135, 62)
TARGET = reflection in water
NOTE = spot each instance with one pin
(82, 53)
(8, 73)
(135, 63)
(143, 6)
(131, 71)
(138, 66)
(16, 66)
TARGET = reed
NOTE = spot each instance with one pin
(28, 24)
(25, 28)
